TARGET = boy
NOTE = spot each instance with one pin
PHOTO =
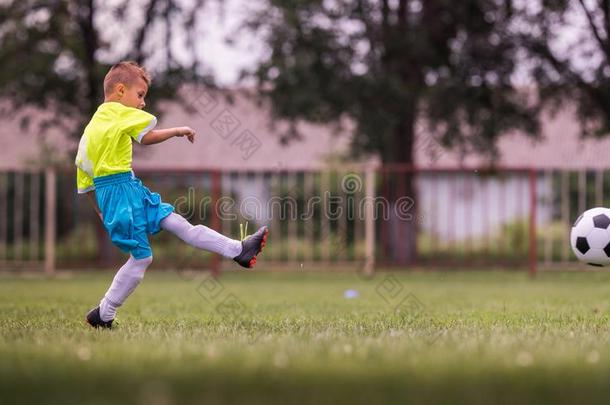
(128, 209)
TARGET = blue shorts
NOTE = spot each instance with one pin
(130, 212)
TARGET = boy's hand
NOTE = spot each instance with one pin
(188, 132)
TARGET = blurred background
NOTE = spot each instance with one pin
(366, 134)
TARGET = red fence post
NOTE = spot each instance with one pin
(533, 259)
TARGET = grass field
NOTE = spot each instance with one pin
(462, 337)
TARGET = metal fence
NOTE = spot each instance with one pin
(469, 217)
(27, 219)
(564, 195)
(353, 217)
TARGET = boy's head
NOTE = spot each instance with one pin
(127, 83)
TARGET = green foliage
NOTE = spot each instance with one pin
(569, 69)
(54, 54)
(386, 65)
(516, 236)
(508, 245)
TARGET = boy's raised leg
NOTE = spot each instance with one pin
(201, 236)
(243, 252)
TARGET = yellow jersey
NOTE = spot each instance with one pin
(105, 147)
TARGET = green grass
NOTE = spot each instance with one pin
(476, 338)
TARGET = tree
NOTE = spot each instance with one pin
(568, 46)
(390, 64)
(54, 55)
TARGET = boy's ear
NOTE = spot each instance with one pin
(120, 89)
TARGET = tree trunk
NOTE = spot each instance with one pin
(402, 192)
(402, 222)
(399, 189)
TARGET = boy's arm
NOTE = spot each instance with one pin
(93, 201)
(161, 135)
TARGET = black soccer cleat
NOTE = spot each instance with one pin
(252, 246)
(93, 318)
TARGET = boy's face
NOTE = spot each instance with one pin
(133, 95)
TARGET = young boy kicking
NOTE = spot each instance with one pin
(128, 209)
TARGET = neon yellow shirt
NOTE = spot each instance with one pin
(105, 147)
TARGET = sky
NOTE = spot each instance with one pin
(218, 20)
(226, 61)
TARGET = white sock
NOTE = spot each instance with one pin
(125, 281)
(201, 236)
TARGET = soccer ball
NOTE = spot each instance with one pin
(590, 237)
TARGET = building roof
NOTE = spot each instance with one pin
(560, 147)
(239, 134)
(232, 134)
(26, 146)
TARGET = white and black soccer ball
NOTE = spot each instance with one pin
(590, 237)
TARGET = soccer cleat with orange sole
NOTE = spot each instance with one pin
(252, 246)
